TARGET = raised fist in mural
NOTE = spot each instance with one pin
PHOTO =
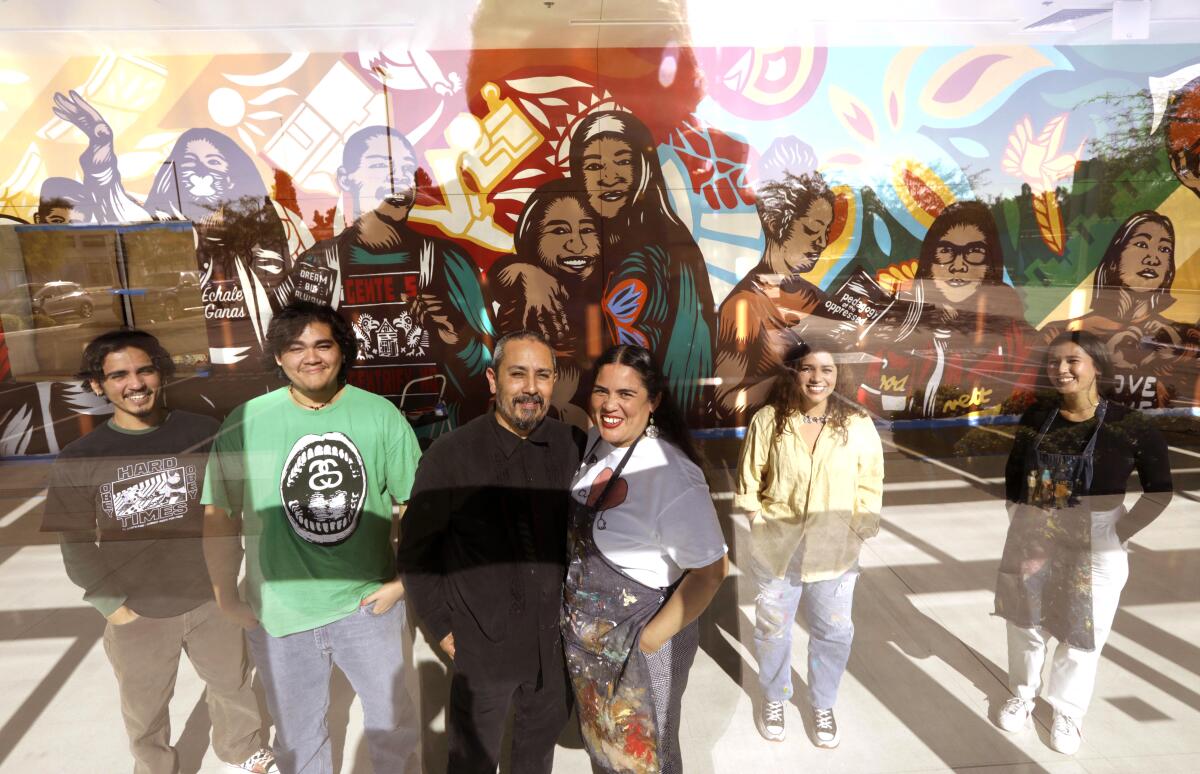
(74, 109)
(716, 163)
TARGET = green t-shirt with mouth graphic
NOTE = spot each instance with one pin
(315, 491)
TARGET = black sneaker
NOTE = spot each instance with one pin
(826, 728)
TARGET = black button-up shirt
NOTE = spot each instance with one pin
(483, 542)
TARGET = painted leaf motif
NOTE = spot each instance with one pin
(547, 84)
(853, 114)
(1050, 221)
(969, 86)
(536, 112)
(895, 83)
(270, 95)
(293, 63)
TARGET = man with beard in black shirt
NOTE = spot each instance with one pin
(483, 554)
(126, 498)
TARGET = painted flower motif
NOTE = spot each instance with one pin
(896, 276)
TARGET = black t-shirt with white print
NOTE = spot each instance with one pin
(140, 492)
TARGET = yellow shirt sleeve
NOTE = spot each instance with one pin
(868, 499)
(756, 450)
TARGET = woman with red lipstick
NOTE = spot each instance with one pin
(811, 480)
(646, 556)
(1132, 287)
(1064, 561)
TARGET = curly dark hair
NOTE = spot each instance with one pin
(91, 368)
(668, 417)
(780, 203)
(290, 321)
(785, 394)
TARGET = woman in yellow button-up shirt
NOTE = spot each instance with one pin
(811, 480)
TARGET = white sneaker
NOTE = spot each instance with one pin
(770, 721)
(1064, 735)
(1014, 715)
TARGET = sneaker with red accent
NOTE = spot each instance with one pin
(261, 762)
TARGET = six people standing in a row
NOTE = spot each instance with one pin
(552, 569)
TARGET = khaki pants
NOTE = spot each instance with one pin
(145, 658)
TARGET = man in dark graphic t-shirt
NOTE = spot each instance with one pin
(126, 500)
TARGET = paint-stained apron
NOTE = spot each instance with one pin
(604, 612)
(1045, 579)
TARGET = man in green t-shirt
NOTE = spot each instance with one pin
(310, 474)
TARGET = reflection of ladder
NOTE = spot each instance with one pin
(426, 414)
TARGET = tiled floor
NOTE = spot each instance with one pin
(928, 659)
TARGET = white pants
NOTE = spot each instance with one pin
(1073, 671)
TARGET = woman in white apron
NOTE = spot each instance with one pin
(646, 555)
(1064, 561)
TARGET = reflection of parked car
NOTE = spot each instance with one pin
(166, 295)
(53, 299)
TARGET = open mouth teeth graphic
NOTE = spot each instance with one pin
(323, 487)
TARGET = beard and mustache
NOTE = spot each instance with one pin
(523, 412)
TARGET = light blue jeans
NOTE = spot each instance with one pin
(827, 614)
(370, 651)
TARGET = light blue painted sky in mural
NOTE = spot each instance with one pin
(974, 145)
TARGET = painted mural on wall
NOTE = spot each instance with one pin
(942, 211)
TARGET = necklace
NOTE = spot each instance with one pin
(806, 419)
(292, 391)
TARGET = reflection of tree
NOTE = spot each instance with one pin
(248, 230)
(1126, 161)
(156, 250)
(43, 253)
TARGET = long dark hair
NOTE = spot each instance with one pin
(785, 394)
(529, 227)
(1108, 273)
(667, 417)
(1094, 348)
(648, 202)
(964, 214)
(247, 189)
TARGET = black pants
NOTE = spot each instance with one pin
(479, 706)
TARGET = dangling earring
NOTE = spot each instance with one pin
(651, 430)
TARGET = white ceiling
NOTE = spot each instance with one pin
(75, 26)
